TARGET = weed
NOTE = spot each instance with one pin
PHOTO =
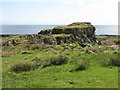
(37, 61)
(112, 61)
(21, 66)
(80, 66)
(56, 60)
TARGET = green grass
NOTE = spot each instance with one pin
(79, 23)
(59, 76)
(72, 27)
(61, 35)
(80, 67)
(22, 66)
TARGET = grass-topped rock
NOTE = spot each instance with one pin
(79, 23)
(82, 31)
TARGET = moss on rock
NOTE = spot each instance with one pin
(79, 23)
(81, 31)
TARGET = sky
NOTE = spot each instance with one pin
(58, 12)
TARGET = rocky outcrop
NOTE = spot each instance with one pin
(83, 32)
(38, 39)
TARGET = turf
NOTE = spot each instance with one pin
(59, 76)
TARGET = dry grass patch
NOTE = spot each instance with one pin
(21, 66)
(55, 60)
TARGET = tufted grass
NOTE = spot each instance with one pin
(55, 60)
(81, 66)
(21, 66)
(111, 61)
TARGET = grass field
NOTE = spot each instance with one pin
(61, 66)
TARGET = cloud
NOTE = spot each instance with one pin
(101, 13)
(95, 11)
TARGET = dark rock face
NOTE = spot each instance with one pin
(64, 39)
(46, 31)
(83, 32)
(50, 41)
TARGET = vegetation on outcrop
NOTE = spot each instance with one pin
(79, 23)
(62, 35)
(82, 31)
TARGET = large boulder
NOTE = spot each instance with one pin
(83, 32)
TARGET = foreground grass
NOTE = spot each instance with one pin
(60, 66)
(60, 76)
(57, 77)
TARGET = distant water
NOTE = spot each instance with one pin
(34, 29)
(106, 29)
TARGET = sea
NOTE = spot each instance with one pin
(34, 29)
